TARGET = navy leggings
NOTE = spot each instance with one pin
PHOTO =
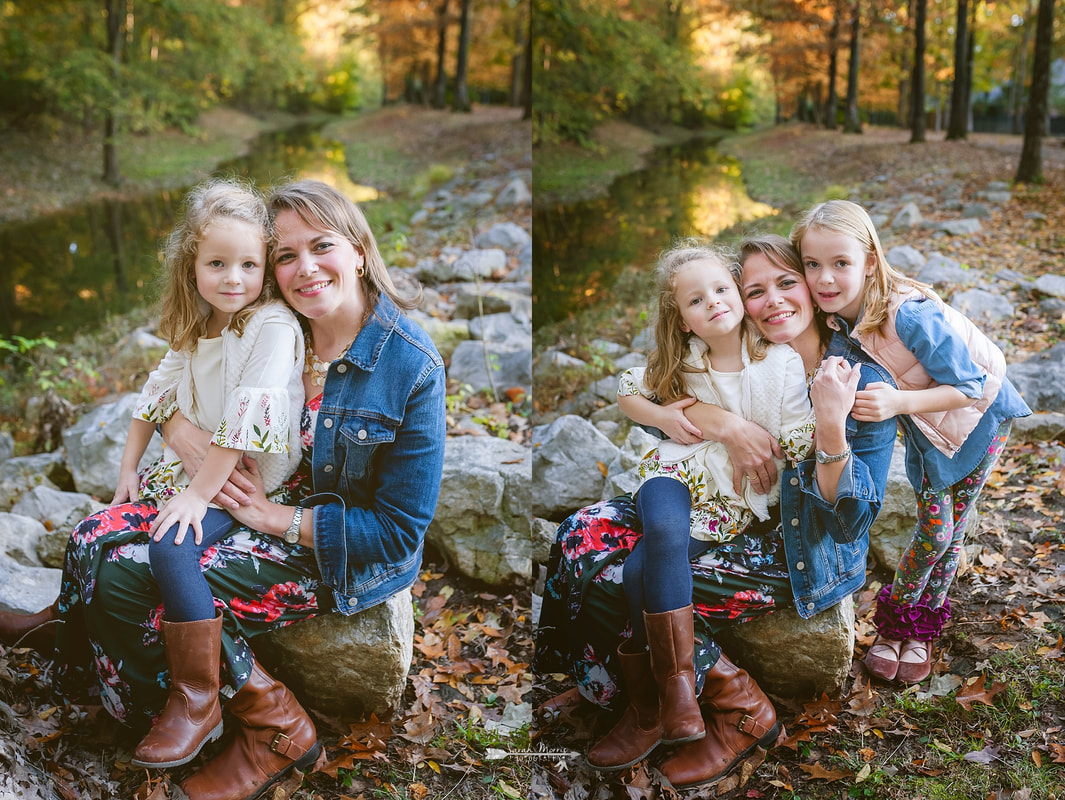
(186, 596)
(657, 575)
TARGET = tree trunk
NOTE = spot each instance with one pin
(115, 15)
(959, 111)
(851, 122)
(461, 99)
(970, 61)
(917, 123)
(527, 77)
(440, 84)
(516, 63)
(833, 53)
(1030, 168)
(905, 103)
(1020, 75)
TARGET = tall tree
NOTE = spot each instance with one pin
(917, 122)
(115, 10)
(527, 81)
(1020, 70)
(439, 98)
(958, 126)
(851, 122)
(833, 53)
(1030, 168)
(461, 99)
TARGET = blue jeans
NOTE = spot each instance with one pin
(657, 574)
(186, 597)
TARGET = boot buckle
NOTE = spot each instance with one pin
(281, 747)
(748, 725)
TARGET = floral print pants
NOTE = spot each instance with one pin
(928, 566)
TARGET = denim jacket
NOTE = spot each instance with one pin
(377, 460)
(826, 544)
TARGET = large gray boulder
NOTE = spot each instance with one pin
(58, 512)
(502, 365)
(1041, 379)
(794, 657)
(569, 464)
(346, 665)
(25, 589)
(482, 521)
(19, 536)
(94, 446)
(21, 474)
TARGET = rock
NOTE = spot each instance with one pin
(27, 590)
(505, 235)
(795, 657)
(482, 520)
(60, 512)
(510, 364)
(644, 341)
(554, 361)
(492, 298)
(21, 474)
(7, 446)
(499, 328)
(569, 462)
(942, 271)
(465, 265)
(141, 342)
(94, 447)
(997, 197)
(1041, 379)
(997, 186)
(1038, 427)
(515, 193)
(909, 216)
(346, 665)
(975, 211)
(960, 227)
(906, 259)
(1054, 285)
(544, 532)
(19, 535)
(982, 306)
(1009, 276)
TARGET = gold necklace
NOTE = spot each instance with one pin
(316, 366)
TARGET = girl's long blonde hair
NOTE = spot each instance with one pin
(850, 219)
(665, 364)
(184, 315)
(781, 252)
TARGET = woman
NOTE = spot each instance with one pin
(373, 433)
(814, 558)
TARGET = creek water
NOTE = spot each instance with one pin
(69, 271)
(580, 249)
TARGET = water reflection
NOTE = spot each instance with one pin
(579, 250)
(70, 270)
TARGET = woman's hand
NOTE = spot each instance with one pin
(675, 425)
(253, 508)
(189, 442)
(751, 449)
(833, 390)
(186, 510)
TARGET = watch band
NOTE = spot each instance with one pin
(292, 535)
(824, 458)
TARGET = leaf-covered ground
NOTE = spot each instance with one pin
(990, 722)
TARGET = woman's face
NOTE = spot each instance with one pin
(315, 268)
(777, 299)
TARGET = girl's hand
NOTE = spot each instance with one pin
(877, 402)
(833, 389)
(676, 426)
(253, 509)
(128, 489)
(185, 510)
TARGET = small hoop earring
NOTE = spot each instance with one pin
(360, 271)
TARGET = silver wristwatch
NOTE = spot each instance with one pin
(292, 535)
(824, 458)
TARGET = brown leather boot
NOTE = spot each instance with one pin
(637, 733)
(671, 637)
(739, 717)
(30, 630)
(192, 716)
(274, 735)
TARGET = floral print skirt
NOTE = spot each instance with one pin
(585, 617)
(112, 610)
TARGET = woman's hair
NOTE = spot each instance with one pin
(665, 364)
(780, 251)
(323, 207)
(850, 219)
(184, 315)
